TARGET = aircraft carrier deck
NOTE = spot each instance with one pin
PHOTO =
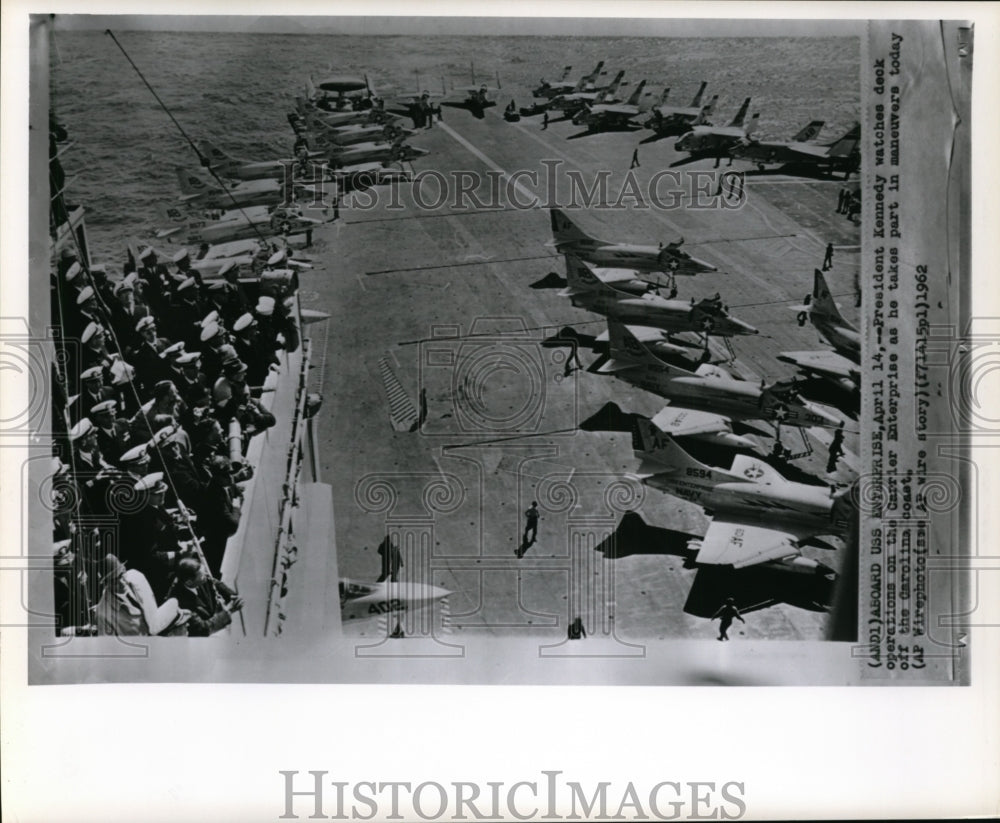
(446, 413)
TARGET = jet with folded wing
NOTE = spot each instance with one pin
(665, 120)
(644, 363)
(563, 86)
(608, 116)
(477, 96)
(842, 365)
(359, 601)
(716, 141)
(250, 222)
(618, 294)
(757, 515)
(842, 154)
(568, 238)
(570, 104)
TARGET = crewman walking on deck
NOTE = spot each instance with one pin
(530, 529)
(576, 631)
(545, 121)
(635, 158)
(728, 613)
(841, 197)
(388, 549)
(828, 257)
(836, 450)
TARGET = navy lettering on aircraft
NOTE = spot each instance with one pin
(394, 605)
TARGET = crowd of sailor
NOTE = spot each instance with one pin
(157, 383)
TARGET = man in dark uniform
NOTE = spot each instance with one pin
(836, 450)
(112, 432)
(531, 516)
(728, 612)
(218, 514)
(388, 550)
(828, 257)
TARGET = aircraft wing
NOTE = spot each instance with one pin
(821, 362)
(739, 545)
(756, 470)
(808, 150)
(680, 422)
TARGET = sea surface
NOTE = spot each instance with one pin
(236, 90)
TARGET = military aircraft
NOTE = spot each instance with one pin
(841, 366)
(360, 176)
(383, 150)
(338, 91)
(364, 133)
(757, 516)
(376, 115)
(666, 119)
(716, 141)
(250, 222)
(607, 116)
(477, 96)
(568, 238)
(708, 387)
(840, 155)
(230, 167)
(359, 601)
(570, 104)
(563, 86)
(613, 293)
(209, 195)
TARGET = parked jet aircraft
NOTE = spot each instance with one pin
(675, 119)
(841, 155)
(757, 515)
(841, 366)
(708, 387)
(606, 116)
(209, 195)
(716, 141)
(359, 601)
(376, 115)
(231, 167)
(568, 238)
(239, 225)
(570, 104)
(394, 151)
(363, 133)
(563, 86)
(597, 290)
(477, 96)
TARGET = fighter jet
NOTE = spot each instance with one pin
(716, 141)
(840, 155)
(359, 601)
(757, 515)
(606, 116)
(230, 167)
(568, 238)
(666, 119)
(362, 133)
(615, 294)
(570, 104)
(239, 225)
(841, 366)
(562, 86)
(305, 114)
(477, 96)
(210, 195)
(383, 150)
(708, 388)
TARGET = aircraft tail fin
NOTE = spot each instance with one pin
(581, 279)
(566, 71)
(612, 89)
(702, 118)
(190, 182)
(565, 230)
(596, 72)
(846, 144)
(624, 346)
(656, 448)
(664, 96)
(697, 97)
(751, 127)
(216, 156)
(172, 216)
(809, 132)
(822, 304)
(636, 95)
(741, 114)
(711, 105)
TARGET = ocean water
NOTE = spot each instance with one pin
(236, 90)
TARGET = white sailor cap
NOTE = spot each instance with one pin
(73, 271)
(82, 428)
(265, 306)
(289, 302)
(163, 435)
(152, 483)
(211, 317)
(181, 255)
(61, 545)
(173, 351)
(189, 358)
(209, 332)
(244, 321)
(145, 323)
(137, 454)
(218, 285)
(86, 293)
(277, 258)
(228, 266)
(104, 406)
(146, 252)
(186, 283)
(89, 332)
(131, 278)
(123, 285)
(121, 372)
(94, 372)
